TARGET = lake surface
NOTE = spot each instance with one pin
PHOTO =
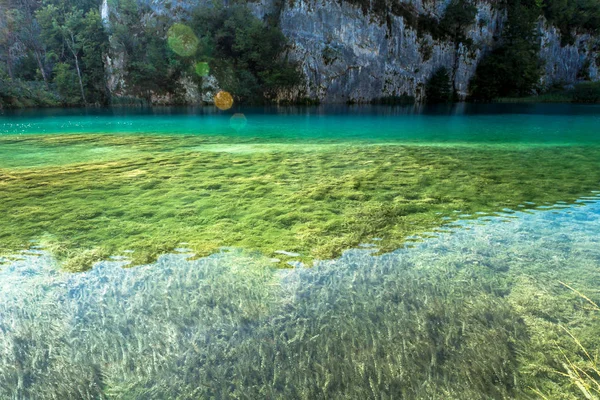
(327, 252)
(464, 123)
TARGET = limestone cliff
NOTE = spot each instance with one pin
(349, 54)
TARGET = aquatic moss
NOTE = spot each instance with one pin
(148, 194)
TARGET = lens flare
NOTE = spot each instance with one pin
(182, 40)
(223, 100)
(202, 69)
(238, 122)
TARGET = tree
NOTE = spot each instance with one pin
(514, 68)
(29, 33)
(65, 27)
(77, 37)
(245, 54)
(66, 83)
(10, 23)
(94, 41)
(459, 15)
(150, 66)
(438, 88)
(573, 15)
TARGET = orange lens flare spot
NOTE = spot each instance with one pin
(223, 100)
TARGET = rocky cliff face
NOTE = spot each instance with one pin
(347, 54)
(568, 64)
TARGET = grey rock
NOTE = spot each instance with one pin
(345, 55)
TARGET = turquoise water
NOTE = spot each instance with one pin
(488, 124)
(494, 305)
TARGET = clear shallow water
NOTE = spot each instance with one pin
(473, 305)
(473, 124)
(453, 316)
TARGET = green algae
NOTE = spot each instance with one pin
(91, 196)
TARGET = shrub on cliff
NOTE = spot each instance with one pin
(572, 16)
(459, 15)
(587, 92)
(244, 53)
(514, 68)
(16, 93)
(438, 88)
(150, 68)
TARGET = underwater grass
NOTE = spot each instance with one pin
(476, 313)
(148, 194)
(577, 367)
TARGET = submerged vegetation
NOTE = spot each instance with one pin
(503, 307)
(586, 374)
(104, 194)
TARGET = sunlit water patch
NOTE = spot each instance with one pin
(478, 311)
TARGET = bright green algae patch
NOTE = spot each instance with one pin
(91, 196)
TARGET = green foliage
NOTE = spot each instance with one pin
(151, 67)
(459, 15)
(65, 79)
(584, 71)
(10, 20)
(438, 88)
(330, 55)
(403, 99)
(74, 35)
(507, 72)
(44, 42)
(228, 42)
(15, 93)
(53, 40)
(94, 46)
(182, 40)
(572, 16)
(244, 53)
(513, 69)
(587, 92)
